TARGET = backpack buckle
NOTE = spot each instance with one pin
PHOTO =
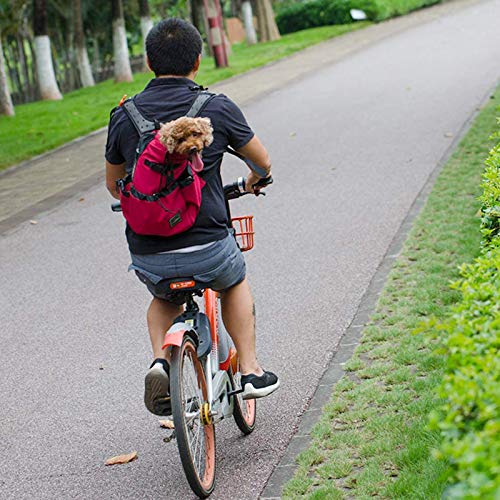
(120, 184)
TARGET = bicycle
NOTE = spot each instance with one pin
(204, 372)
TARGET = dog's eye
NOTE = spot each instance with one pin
(195, 134)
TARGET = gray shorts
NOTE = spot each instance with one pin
(220, 266)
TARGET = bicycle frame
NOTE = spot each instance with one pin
(206, 329)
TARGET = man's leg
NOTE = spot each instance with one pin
(161, 315)
(238, 314)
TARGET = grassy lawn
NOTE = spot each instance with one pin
(43, 125)
(373, 438)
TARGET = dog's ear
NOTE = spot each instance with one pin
(168, 137)
(206, 129)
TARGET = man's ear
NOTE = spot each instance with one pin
(197, 64)
(147, 64)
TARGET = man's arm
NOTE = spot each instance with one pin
(113, 173)
(256, 153)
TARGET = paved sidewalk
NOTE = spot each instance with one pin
(42, 183)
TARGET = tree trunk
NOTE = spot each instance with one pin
(45, 69)
(123, 72)
(6, 107)
(146, 25)
(22, 64)
(268, 30)
(189, 11)
(246, 11)
(82, 56)
(33, 66)
(215, 32)
(11, 58)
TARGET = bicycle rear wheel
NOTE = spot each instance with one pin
(195, 440)
(245, 411)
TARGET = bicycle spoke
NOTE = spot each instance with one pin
(196, 442)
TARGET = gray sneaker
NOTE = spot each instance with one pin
(157, 388)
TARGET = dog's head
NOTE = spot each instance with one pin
(186, 136)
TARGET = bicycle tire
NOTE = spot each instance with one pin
(244, 411)
(188, 391)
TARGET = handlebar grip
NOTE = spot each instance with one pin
(265, 181)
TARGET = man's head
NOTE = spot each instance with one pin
(173, 47)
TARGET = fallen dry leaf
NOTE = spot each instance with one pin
(122, 459)
(81, 199)
(167, 424)
(33, 222)
(448, 134)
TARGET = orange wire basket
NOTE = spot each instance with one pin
(244, 231)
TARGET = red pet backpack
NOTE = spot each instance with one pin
(162, 195)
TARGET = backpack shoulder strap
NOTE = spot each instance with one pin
(200, 101)
(141, 124)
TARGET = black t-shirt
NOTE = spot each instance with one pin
(166, 99)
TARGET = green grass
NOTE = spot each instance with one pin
(41, 126)
(373, 438)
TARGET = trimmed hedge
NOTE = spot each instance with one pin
(469, 418)
(490, 221)
(314, 13)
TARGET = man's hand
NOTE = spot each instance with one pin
(252, 179)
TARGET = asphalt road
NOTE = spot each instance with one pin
(352, 146)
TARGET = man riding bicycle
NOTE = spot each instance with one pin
(206, 251)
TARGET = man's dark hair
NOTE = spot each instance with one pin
(173, 46)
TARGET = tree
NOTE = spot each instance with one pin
(246, 11)
(146, 24)
(6, 107)
(45, 69)
(82, 56)
(268, 30)
(123, 72)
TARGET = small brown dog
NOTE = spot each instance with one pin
(186, 136)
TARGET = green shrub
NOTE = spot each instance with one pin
(490, 222)
(313, 13)
(469, 418)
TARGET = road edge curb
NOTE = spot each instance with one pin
(334, 371)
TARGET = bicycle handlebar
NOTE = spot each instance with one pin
(237, 189)
(231, 191)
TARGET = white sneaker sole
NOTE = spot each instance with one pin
(251, 392)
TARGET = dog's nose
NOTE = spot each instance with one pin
(193, 150)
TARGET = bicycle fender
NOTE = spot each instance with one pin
(175, 334)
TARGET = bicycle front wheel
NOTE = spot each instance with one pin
(194, 430)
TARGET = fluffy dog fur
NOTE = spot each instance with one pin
(186, 136)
